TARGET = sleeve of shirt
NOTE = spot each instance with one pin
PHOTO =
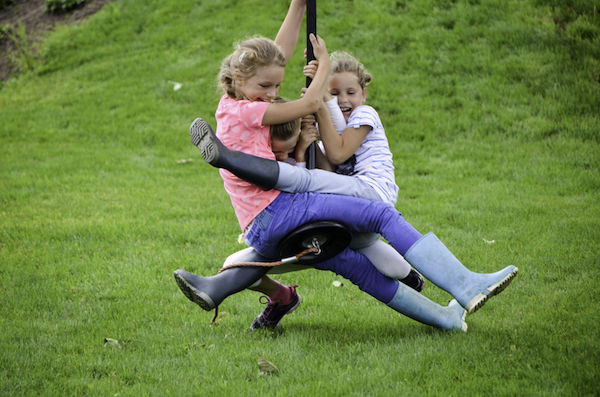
(363, 115)
(253, 112)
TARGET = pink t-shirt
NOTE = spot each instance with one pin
(239, 127)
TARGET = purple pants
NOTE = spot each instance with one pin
(354, 266)
(290, 211)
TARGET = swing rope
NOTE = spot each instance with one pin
(294, 258)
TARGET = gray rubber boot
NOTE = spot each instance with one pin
(256, 170)
(209, 292)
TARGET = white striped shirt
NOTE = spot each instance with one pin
(374, 164)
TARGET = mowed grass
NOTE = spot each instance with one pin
(492, 112)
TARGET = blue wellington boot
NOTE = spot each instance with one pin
(418, 307)
(434, 261)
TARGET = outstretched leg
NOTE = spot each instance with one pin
(431, 257)
(209, 292)
(356, 267)
(271, 174)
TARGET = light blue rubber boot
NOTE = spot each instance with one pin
(418, 307)
(434, 261)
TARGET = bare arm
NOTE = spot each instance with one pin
(278, 113)
(287, 37)
(338, 148)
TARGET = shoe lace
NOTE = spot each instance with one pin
(271, 304)
(265, 300)
(214, 319)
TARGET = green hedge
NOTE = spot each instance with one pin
(61, 5)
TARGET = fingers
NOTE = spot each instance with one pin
(308, 135)
(319, 46)
(315, 38)
(309, 118)
(311, 69)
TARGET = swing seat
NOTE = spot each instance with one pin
(329, 237)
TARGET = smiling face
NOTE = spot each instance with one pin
(263, 85)
(346, 87)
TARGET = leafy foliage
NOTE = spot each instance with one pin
(57, 6)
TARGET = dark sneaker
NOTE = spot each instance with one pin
(203, 136)
(414, 280)
(274, 312)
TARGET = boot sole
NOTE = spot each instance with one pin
(198, 297)
(480, 299)
(202, 135)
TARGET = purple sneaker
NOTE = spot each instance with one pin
(274, 312)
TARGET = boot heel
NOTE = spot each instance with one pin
(476, 303)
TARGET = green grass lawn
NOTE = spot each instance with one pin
(492, 109)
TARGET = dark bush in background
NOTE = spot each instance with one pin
(61, 5)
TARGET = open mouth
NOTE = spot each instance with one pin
(346, 110)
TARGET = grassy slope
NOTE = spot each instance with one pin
(492, 114)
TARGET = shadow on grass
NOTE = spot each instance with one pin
(331, 333)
